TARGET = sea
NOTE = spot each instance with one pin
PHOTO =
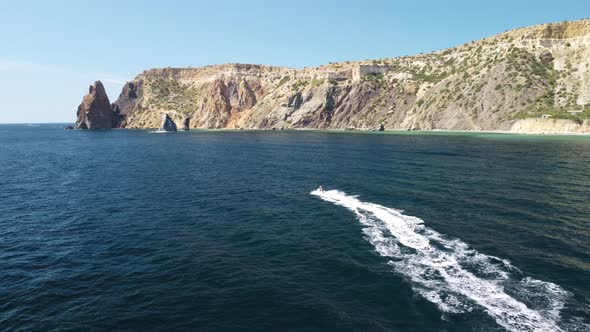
(213, 230)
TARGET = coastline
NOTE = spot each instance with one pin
(328, 130)
(390, 131)
(387, 132)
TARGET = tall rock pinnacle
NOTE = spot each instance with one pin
(95, 111)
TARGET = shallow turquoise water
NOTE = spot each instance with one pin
(218, 230)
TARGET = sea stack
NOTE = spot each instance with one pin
(186, 124)
(95, 111)
(167, 123)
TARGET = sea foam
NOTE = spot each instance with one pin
(450, 274)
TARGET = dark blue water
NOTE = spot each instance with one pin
(217, 231)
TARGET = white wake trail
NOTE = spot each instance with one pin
(452, 275)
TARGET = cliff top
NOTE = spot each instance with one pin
(547, 31)
(559, 30)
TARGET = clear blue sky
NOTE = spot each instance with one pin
(51, 51)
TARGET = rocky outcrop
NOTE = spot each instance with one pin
(167, 123)
(186, 124)
(130, 97)
(489, 84)
(95, 111)
(295, 100)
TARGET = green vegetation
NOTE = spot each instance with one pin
(169, 94)
(284, 80)
(555, 112)
(377, 79)
(299, 85)
(316, 82)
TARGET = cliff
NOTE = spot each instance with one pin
(489, 84)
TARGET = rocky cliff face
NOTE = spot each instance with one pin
(551, 126)
(96, 112)
(488, 84)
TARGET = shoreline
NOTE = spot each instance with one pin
(387, 131)
(329, 130)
